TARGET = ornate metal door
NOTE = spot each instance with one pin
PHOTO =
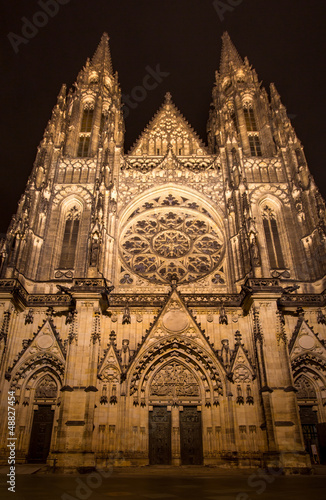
(159, 436)
(41, 435)
(191, 443)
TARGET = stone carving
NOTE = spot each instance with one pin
(126, 318)
(223, 319)
(110, 374)
(125, 353)
(47, 388)
(174, 380)
(305, 388)
(172, 242)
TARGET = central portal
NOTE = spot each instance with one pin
(160, 439)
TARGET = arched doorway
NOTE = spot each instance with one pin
(308, 403)
(45, 394)
(175, 426)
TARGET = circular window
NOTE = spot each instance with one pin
(171, 242)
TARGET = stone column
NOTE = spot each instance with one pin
(282, 424)
(175, 437)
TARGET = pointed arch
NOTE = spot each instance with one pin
(86, 125)
(305, 388)
(35, 366)
(180, 349)
(69, 231)
(274, 240)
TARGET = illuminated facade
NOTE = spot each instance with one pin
(168, 303)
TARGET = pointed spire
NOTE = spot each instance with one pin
(229, 54)
(102, 56)
(275, 96)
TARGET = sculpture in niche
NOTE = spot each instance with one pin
(47, 388)
(125, 353)
(174, 380)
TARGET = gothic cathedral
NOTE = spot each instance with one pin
(166, 305)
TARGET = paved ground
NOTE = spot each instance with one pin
(168, 483)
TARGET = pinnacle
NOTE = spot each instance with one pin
(168, 98)
(229, 54)
(102, 56)
(275, 96)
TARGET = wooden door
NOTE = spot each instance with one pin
(41, 435)
(159, 436)
(191, 444)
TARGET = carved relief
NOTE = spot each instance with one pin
(174, 380)
(110, 374)
(47, 388)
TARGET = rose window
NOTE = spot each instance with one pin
(172, 242)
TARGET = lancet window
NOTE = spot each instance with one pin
(70, 237)
(85, 132)
(272, 237)
(251, 124)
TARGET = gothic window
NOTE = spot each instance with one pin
(171, 242)
(272, 239)
(87, 120)
(251, 124)
(69, 244)
(83, 146)
(250, 119)
(254, 143)
(85, 132)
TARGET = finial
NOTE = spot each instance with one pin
(168, 98)
(238, 337)
(174, 281)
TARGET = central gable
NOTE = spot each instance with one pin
(168, 128)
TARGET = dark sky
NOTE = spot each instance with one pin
(283, 39)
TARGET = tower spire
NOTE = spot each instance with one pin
(229, 55)
(102, 56)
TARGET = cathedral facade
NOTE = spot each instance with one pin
(166, 305)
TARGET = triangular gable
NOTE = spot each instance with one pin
(304, 340)
(45, 346)
(175, 318)
(46, 340)
(109, 367)
(241, 367)
(168, 127)
(176, 341)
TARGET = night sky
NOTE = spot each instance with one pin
(284, 40)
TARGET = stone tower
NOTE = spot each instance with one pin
(166, 305)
